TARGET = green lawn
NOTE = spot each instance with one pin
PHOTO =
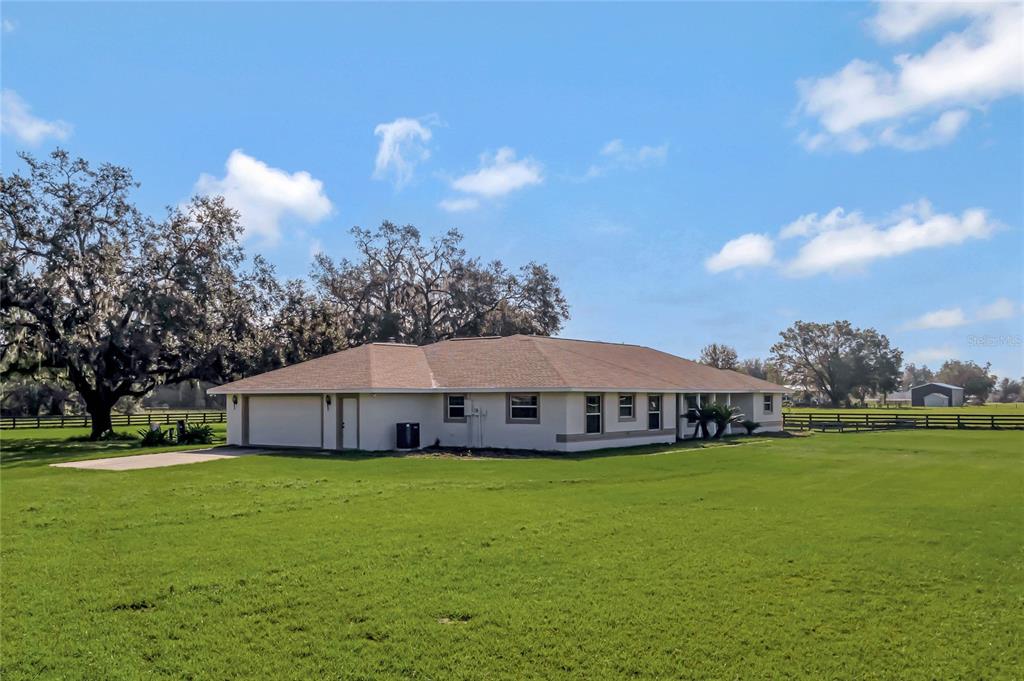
(873, 555)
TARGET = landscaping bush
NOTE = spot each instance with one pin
(751, 426)
(198, 434)
(155, 437)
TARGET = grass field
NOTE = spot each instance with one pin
(872, 555)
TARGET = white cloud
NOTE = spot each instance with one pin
(617, 155)
(856, 243)
(939, 319)
(845, 240)
(866, 103)
(500, 174)
(810, 224)
(265, 196)
(897, 21)
(933, 355)
(16, 119)
(1003, 308)
(942, 131)
(9, 25)
(459, 205)
(749, 250)
(402, 145)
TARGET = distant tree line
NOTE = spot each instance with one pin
(723, 356)
(846, 364)
(837, 360)
(976, 380)
(102, 301)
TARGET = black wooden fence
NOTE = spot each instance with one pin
(149, 418)
(841, 421)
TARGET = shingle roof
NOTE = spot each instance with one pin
(499, 363)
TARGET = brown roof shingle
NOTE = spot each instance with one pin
(499, 363)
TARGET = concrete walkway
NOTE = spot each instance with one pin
(160, 460)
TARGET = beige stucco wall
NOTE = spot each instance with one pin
(744, 402)
(487, 425)
(307, 421)
(330, 421)
(236, 417)
(770, 422)
(378, 414)
(611, 424)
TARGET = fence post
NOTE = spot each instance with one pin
(926, 420)
(958, 424)
(993, 420)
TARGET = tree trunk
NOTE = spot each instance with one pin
(99, 410)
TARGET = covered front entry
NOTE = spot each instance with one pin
(285, 421)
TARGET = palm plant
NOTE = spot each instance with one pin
(722, 415)
(702, 417)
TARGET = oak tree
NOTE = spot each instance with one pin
(111, 299)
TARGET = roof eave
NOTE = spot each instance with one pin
(228, 390)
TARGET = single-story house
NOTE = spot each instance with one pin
(514, 392)
(937, 395)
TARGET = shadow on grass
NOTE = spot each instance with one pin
(463, 453)
(21, 449)
(18, 449)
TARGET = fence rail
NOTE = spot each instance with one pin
(843, 421)
(84, 421)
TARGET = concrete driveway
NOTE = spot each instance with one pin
(160, 460)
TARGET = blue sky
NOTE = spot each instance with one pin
(692, 172)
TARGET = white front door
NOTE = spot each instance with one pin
(349, 423)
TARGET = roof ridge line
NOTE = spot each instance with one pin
(554, 369)
(599, 342)
(616, 364)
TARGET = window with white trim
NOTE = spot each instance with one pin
(654, 412)
(592, 414)
(626, 412)
(524, 407)
(769, 404)
(455, 408)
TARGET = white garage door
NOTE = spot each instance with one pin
(936, 400)
(284, 420)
